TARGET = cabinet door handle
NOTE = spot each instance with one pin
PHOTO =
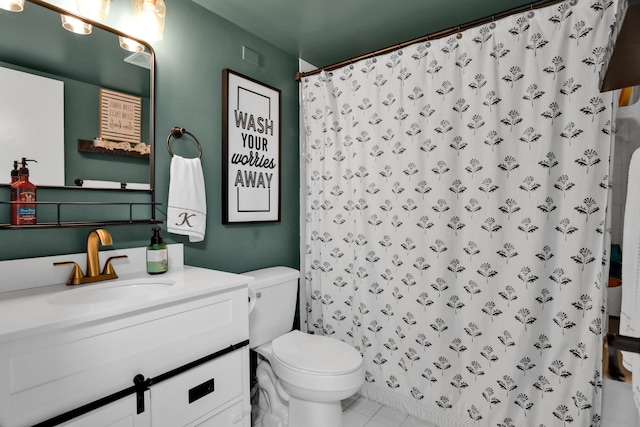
(201, 390)
(141, 385)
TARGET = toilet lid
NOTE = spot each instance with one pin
(316, 353)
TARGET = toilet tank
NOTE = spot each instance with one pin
(273, 295)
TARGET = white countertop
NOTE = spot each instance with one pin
(31, 311)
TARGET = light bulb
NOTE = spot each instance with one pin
(75, 25)
(131, 45)
(150, 17)
(149, 5)
(12, 5)
(98, 10)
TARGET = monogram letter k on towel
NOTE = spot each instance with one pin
(187, 207)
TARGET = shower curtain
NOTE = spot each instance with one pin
(456, 200)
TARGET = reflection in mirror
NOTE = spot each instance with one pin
(32, 112)
(51, 105)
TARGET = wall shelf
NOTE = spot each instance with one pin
(60, 223)
(86, 146)
(76, 224)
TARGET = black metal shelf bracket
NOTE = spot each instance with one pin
(624, 343)
(60, 223)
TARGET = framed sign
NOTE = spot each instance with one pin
(120, 116)
(250, 150)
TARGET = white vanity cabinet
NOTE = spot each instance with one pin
(212, 395)
(189, 350)
(121, 413)
(209, 394)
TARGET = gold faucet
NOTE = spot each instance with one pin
(102, 236)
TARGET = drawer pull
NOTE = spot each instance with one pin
(201, 390)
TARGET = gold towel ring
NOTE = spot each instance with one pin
(177, 133)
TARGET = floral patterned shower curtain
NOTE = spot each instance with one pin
(455, 217)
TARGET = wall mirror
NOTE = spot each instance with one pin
(72, 69)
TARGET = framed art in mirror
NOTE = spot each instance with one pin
(250, 149)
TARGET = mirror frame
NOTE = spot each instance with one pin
(152, 115)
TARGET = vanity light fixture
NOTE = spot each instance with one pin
(75, 25)
(131, 45)
(12, 5)
(149, 18)
(97, 10)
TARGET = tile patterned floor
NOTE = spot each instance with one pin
(361, 412)
(618, 407)
(618, 410)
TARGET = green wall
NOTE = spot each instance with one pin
(197, 46)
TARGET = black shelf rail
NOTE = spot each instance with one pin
(624, 343)
(59, 223)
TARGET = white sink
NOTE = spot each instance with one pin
(112, 291)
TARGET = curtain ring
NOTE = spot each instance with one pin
(177, 133)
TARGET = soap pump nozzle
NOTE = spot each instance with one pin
(24, 170)
(15, 173)
(156, 238)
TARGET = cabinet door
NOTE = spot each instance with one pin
(200, 392)
(233, 416)
(121, 413)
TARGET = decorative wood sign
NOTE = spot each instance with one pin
(251, 150)
(120, 116)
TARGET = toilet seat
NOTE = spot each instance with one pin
(314, 367)
(315, 354)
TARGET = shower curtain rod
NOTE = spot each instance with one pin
(436, 35)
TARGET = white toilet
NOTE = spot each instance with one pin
(302, 377)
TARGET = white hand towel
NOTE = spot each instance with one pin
(187, 207)
(630, 308)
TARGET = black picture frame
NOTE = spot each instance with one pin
(251, 150)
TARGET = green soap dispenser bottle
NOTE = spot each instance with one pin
(157, 254)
